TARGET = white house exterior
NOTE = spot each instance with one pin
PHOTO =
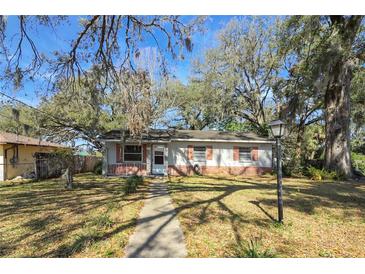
(185, 152)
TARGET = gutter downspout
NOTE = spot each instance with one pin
(6, 159)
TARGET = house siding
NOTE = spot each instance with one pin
(222, 154)
(116, 166)
(220, 159)
(26, 162)
(2, 163)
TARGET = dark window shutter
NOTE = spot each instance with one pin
(118, 156)
(190, 152)
(144, 153)
(236, 153)
(209, 152)
(255, 154)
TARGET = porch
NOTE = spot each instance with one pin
(135, 159)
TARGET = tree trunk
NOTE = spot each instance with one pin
(337, 96)
(69, 178)
(337, 117)
(298, 149)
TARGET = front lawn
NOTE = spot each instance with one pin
(43, 219)
(235, 217)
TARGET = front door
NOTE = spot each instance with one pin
(158, 161)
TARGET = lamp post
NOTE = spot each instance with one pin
(277, 129)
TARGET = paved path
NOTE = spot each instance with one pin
(158, 233)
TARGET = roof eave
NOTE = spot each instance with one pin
(41, 145)
(223, 141)
(135, 141)
(194, 140)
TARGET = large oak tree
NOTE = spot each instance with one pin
(338, 48)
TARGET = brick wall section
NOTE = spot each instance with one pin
(207, 170)
(127, 169)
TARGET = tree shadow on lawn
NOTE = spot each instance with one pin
(236, 219)
(83, 197)
(48, 206)
(311, 196)
(257, 203)
(304, 198)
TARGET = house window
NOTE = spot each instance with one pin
(132, 153)
(199, 154)
(245, 154)
(159, 157)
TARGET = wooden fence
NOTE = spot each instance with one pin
(48, 165)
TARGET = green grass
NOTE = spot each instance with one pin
(102, 221)
(252, 249)
(221, 215)
(43, 219)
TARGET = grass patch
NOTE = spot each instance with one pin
(84, 240)
(42, 219)
(252, 249)
(219, 214)
(325, 254)
(102, 221)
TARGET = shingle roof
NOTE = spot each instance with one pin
(217, 135)
(171, 135)
(11, 138)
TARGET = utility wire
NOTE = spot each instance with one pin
(55, 119)
(19, 122)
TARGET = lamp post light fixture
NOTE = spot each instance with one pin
(277, 129)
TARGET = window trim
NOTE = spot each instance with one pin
(125, 161)
(205, 154)
(245, 160)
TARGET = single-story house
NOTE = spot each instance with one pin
(185, 152)
(17, 154)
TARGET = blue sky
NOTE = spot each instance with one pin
(48, 41)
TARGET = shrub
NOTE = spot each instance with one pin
(358, 161)
(322, 174)
(98, 168)
(132, 184)
(314, 173)
(253, 249)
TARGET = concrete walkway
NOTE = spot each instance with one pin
(158, 233)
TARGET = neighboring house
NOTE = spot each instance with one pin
(17, 154)
(185, 152)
